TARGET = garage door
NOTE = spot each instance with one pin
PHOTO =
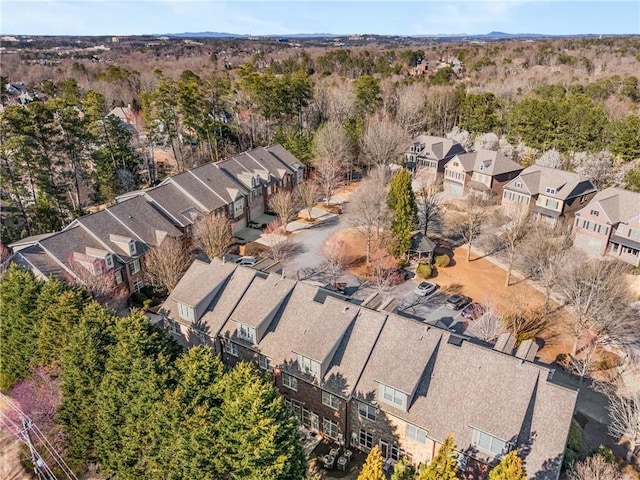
(453, 188)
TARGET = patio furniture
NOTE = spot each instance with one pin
(342, 463)
(328, 461)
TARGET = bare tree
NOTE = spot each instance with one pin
(329, 174)
(461, 136)
(367, 209)
(383, 142)
(338, 257)
(165, 264)
(410, 108)
(284, 205)
(595, 467)
(489, 326)
(583, 362)
(624, 413)
(212, 233)
(429, 206)
(510, 235)
(383, 273)
(598, 167)
(281, 248)
(98, 281)
(307, 194)
(469, 225)
(598, 297)
(332, 141)
(550, 158)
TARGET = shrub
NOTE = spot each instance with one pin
(424, 270)
(605, 453)
(138, 298)
(442, 260)
(254, 249)
(574, 440)
(147, 303)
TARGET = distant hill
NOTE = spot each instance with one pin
(242, 35)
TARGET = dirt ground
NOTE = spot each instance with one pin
(10, 467)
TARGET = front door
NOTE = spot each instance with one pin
(315, 422)
(384, 449)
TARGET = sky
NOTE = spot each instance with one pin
(268, 17)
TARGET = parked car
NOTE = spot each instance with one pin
(457, 301)
(247, 261)
(425, 288)
(474, 310)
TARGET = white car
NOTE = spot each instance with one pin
(425, 288)
(247, 261)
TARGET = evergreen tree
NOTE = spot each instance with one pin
(372, 468)
(402, 204)
(19, 324)
(403, 470)
(138, 374)
(444, 465)
(83, 363)
(257, 436)
(509, 468)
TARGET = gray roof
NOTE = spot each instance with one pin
(200, 192)
(63, 244)
(618, 205)
(219, 181)
(487, 162)
(537, 178)
(34, 257)
(170, 198)
(437, 147)
(421, 243)
(29, 240)
(285, 156)
(201, 279)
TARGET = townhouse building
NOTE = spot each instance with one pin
(483, 173)
(364, 377)
(112, 242)
(610, 225)
(552, 195)
(430, 155)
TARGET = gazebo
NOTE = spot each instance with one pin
(423, 246)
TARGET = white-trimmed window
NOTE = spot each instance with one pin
(173, 326)
(119, 277)
(365, 439)
(134, 267)
(289, 381)
(132, 247)
(552, 203)
(185, 311)
(367, 411)
(246, 332)
(488, 443)
(550, 190)
(518, 184)
(265, 363)
(330, 400)
(396, 453)
(231, 348)
(393, 397)
(138, 284)
(108, 260)
(308, 366)
(237, 207)
(416, 434)
(330, 428)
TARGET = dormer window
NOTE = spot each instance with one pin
(108, 260)
(487, 443)
(518, 184)
(308, 366)
(392, 396)
(550, 190)
(185, 312)
(246, 332)
(132, 247)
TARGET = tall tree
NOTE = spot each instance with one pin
(328, 174)
(470, 223)
(624, 413)
(372, 468)
(509, 468)
(166, 263)
(430, 212)
(257, 435)
(510, 235)
(285, 205)
(383, 142)
(307, 194)
(403, 470)
(402, 204)
(212, 233)
(368, 95)
(444, 465)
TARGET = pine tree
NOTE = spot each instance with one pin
(372, 468)
(19, 324)
(257, 436)
(402, 204)
(138, 374)
(83, 363)
(403, 470)
(444, 465)
(509, 468)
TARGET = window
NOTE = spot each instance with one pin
(366, 439)
(630, 251)
(309, 366)
(456, 164)
(173, 326)
(237, 207)
(396, 453)
(634, 233)
(330, 400)
(595, 213)
(108, 260)
(137, 285)
(488, 443)
(518, 184)
(231, 348)
(132, 247)
(290, 381)
(119, 278)
(367, 411)
(330, 428)
(550, 190)
(416, 434)
(393, 397)
(265, 363)
(552, 203)
(134, 267)
(246, 332)
(185, 311)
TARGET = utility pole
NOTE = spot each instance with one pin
(40, 468)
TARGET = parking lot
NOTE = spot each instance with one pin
(431, 309)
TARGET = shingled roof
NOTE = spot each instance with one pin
(619, 205)
(536, 179)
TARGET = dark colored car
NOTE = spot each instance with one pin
(457, 301)
(473, 311)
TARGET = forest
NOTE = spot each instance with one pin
(566, 103)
